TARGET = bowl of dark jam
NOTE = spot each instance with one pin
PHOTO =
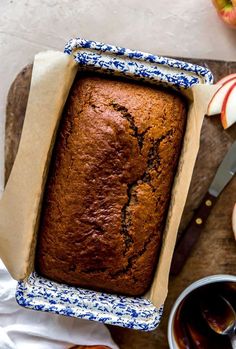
(190, 328)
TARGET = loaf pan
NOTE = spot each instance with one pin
(142, 313)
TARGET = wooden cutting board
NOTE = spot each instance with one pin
(215, 252)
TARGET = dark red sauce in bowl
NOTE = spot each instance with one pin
(190, 328)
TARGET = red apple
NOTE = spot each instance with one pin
(228, 112)
(227, 11)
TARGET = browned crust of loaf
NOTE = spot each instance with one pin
(109, 185)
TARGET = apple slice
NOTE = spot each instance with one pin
(234, 221)
(228, 112)
(226, 78)
(216, 103)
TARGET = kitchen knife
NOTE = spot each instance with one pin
(189, 237)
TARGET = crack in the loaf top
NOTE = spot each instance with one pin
(134, 257)
(153, 162)
(129, 117)
(125, 219)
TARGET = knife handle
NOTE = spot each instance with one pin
(191, 234)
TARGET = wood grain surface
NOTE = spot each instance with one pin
(215, 252)
(15, 114)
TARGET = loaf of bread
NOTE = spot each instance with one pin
(109, 184)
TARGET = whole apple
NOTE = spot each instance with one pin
(227, 11)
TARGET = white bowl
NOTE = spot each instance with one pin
(199, 283)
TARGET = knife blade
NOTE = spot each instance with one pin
(189, 237)
(225, 172)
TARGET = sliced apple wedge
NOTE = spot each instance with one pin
(216, 103)
(226, 78)
(228, 112)
(234, 221)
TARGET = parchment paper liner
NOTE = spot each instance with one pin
(52, 77)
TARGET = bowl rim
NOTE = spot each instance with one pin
(193, 286)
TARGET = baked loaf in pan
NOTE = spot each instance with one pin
(109, 184)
